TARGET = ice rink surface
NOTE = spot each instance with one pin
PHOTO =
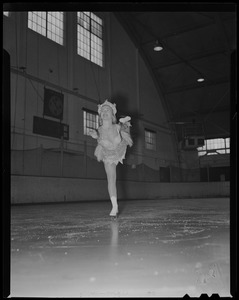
(155, 248)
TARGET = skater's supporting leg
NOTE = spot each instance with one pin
(110, 170)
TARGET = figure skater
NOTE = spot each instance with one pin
(113, 139)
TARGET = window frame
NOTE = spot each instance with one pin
(87, 53)
(86, 120)
(48, 33)
(153, 145)
(212, 147)
(7, 14)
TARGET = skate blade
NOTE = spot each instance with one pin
(114, 217)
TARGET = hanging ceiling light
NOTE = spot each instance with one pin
(200, 79)
(157, 46)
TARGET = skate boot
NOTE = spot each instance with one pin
(114, 210)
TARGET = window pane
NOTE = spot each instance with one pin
(37, 21)
(84, 121)
(83, 37)
(96, 19)
(227, 142)
(215, 143)
(89, 37)
(215, 146)
(96, 50)
(50, 24)
(150, 140)
(83, 20)
(202, 148)
(55, 26)
(201, 153)
(212, 153)
(90, 121)
(221, 151)
(96, 29)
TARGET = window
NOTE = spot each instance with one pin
(91, 120)
(6, 13)
(90, 37)
(49, 24)
(150, 139)
(215, 146)
(227, 141)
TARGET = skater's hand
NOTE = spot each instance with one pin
(93, 133)
(125, 123)
(125, 120)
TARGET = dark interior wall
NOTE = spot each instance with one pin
(124, 78)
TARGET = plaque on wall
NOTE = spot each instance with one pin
(53, 104)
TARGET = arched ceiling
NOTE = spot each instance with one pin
(194, 44)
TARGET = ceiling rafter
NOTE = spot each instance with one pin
(219, 22)
(133, 34)
(196, 86)
(215, 56)
(193, 58)
(202, 112)
(182, 31)
(169, 48)
(134, 37)
(179, 32)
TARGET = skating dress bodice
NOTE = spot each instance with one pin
(112, 145)
(109, 141)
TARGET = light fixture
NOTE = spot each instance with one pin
(200, 77)
(157, 46)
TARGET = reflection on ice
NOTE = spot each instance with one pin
(155, 248)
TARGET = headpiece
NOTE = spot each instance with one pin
(111, 105)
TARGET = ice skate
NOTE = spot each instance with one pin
(114, 211)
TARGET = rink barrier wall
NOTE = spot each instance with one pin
(30, 189)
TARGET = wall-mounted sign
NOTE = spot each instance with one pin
(50, 128)
(53, 104)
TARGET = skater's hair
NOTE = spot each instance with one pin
(111, 105)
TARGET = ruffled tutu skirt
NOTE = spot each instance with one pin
(116, 155)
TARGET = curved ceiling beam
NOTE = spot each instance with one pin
(196, 86)
(182, 31)
(130, 31)
(193, 58)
